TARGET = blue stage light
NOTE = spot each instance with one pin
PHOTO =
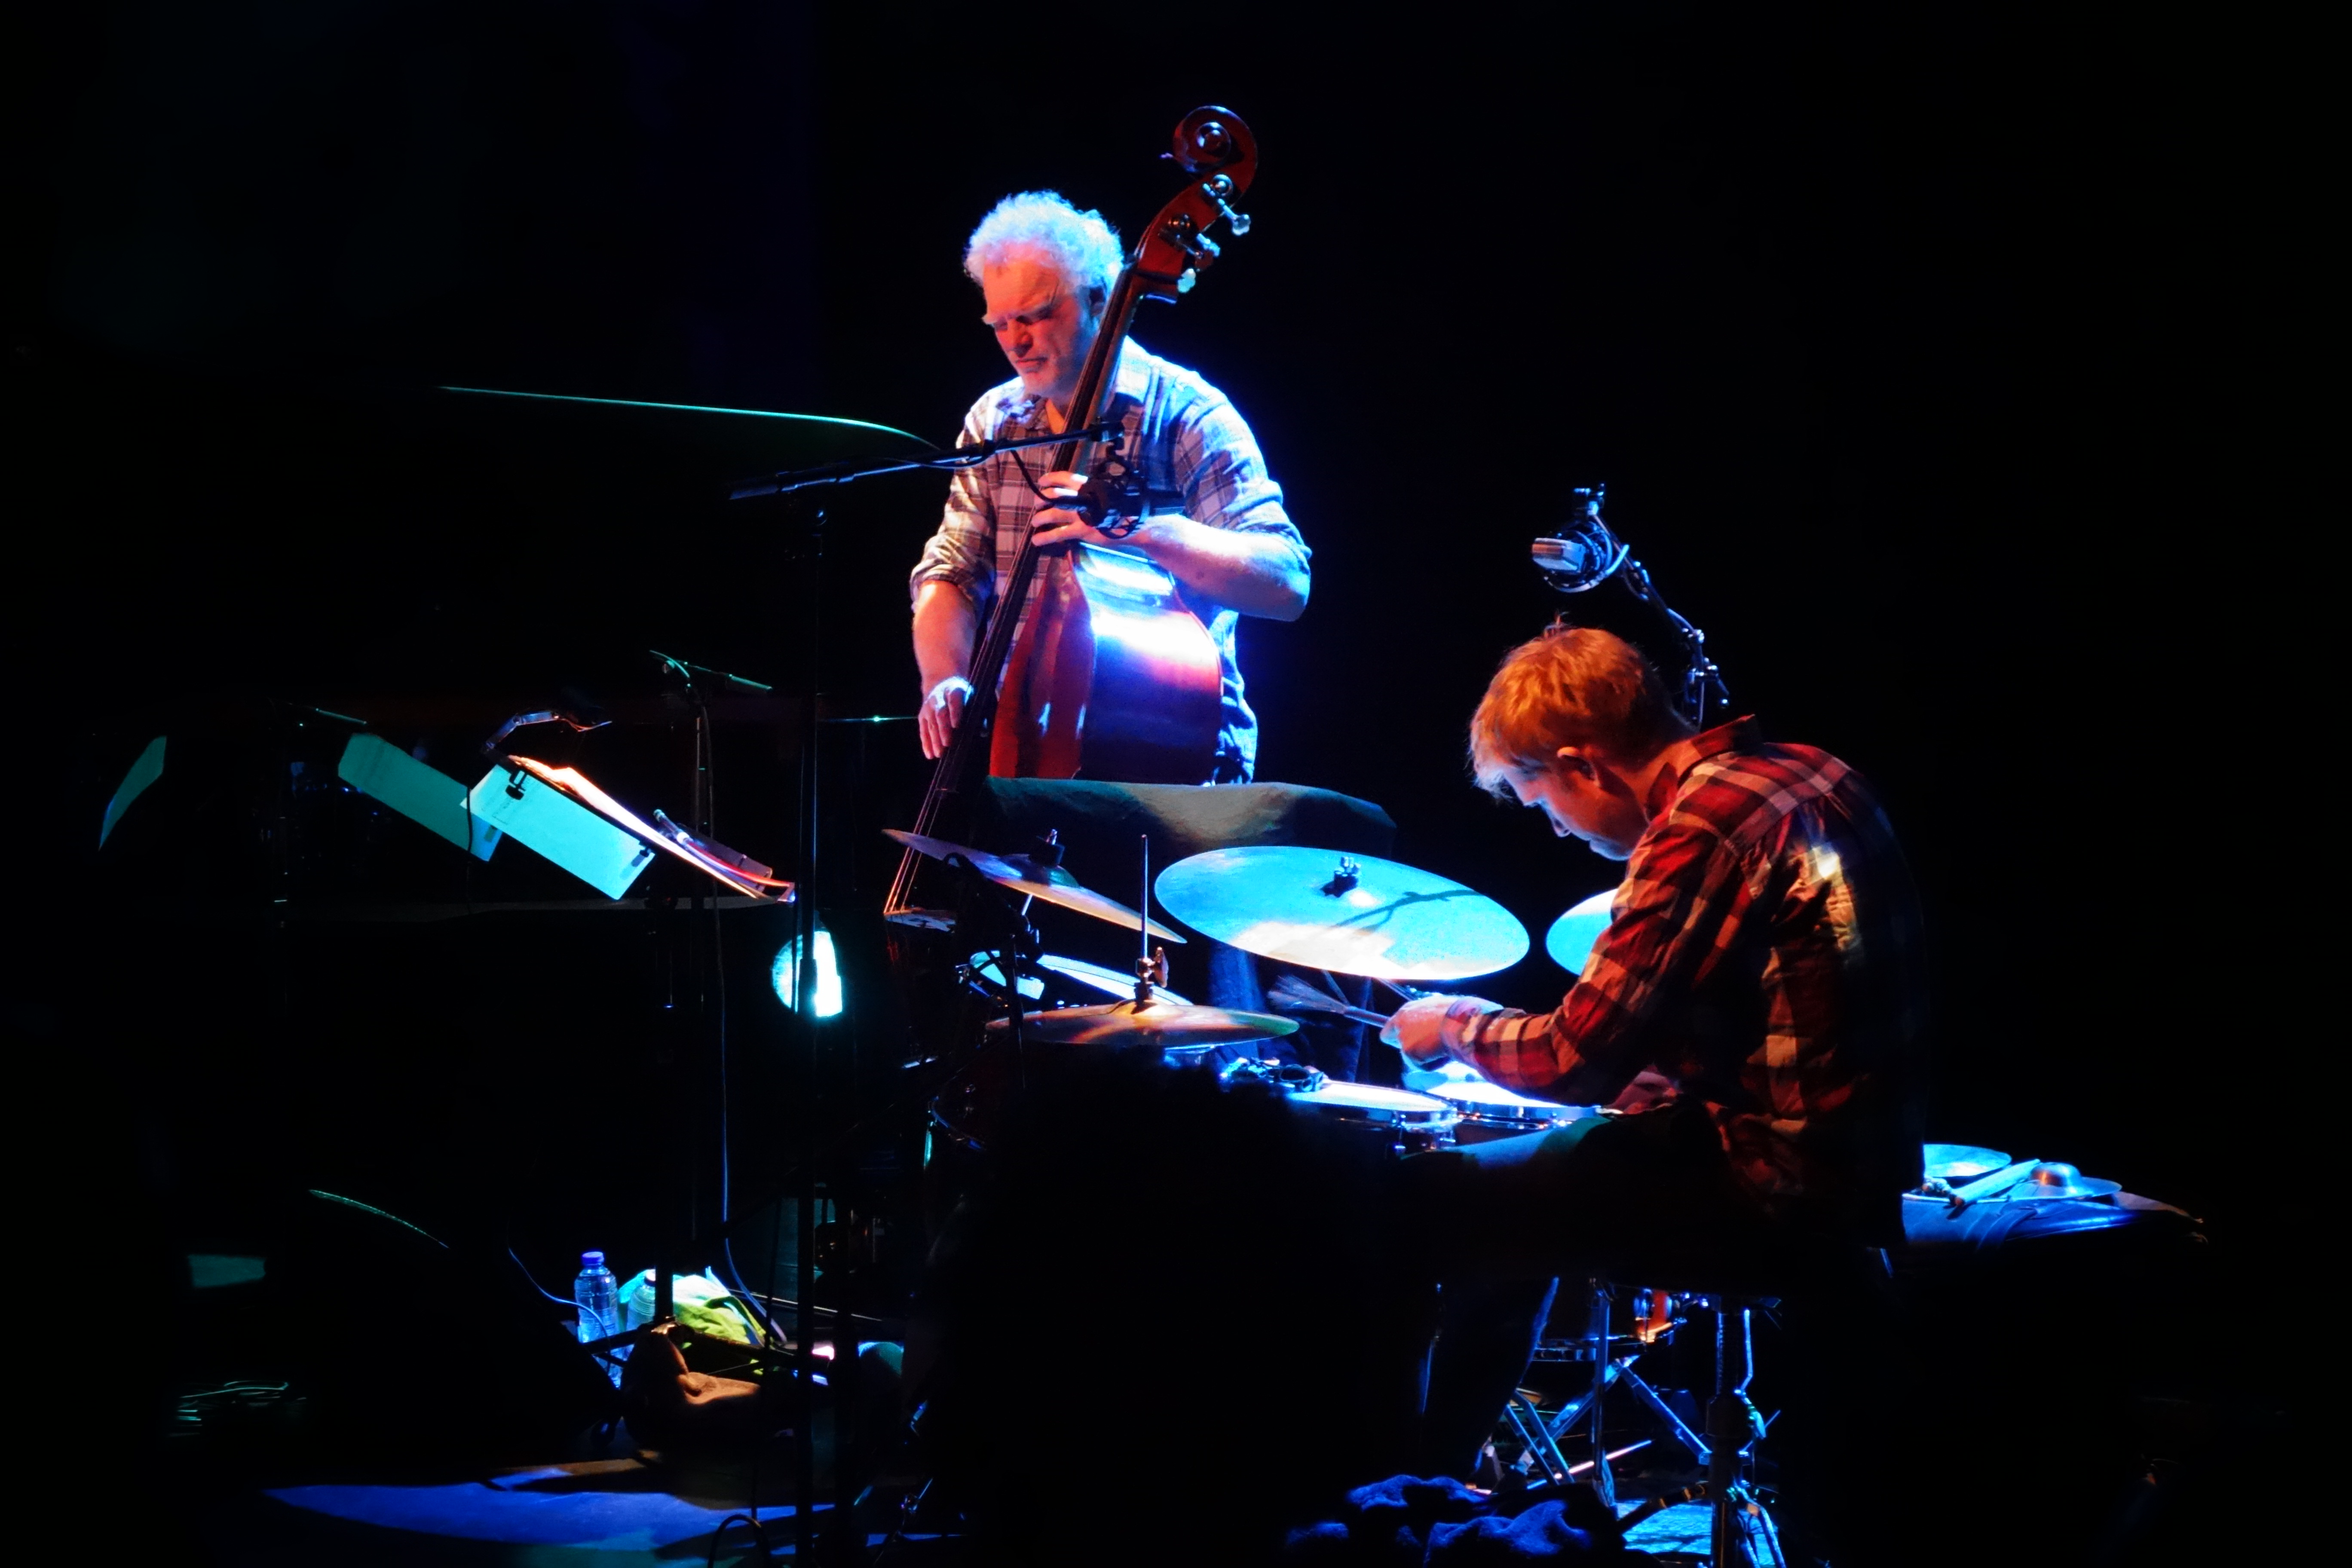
(828, 995)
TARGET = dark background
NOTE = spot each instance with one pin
(1909, 346)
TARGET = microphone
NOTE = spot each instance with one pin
(687, 669)
(1584, 554)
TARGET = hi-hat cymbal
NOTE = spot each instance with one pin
(1093, 976)
(1320, 909)
(1959, 1162)
(1035, 880)
(1163, 1026)
(1570, 941)
(1109, 982)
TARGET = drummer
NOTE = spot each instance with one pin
(1760, 976)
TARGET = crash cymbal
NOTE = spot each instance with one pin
(1570, 941)
(1351, 914)
(2057, 1179)
(1162, 1025)
(1959, 1162)
(1034, 880)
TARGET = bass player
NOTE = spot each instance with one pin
(1213, 519)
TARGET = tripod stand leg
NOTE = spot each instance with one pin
(1570, 1413)
(1604, 1483)
(1536, 1437)
(1665, 1412)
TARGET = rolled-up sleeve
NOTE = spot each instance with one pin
(1224, 476)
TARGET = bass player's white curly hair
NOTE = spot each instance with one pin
(1081, 244)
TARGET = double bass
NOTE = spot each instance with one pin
(1116, 677)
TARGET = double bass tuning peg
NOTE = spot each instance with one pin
(1217, 189)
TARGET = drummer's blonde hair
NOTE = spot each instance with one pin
(1573, 686)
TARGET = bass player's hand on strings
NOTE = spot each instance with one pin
(945, 623)
(941, 711)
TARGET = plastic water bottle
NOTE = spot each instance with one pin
(597, 1295)
(637, 1305)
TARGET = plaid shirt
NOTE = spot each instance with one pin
(1764, 954)
(1188, 444)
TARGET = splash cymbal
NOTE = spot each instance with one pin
(1570, 941)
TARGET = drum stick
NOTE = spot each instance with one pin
(1292, 994)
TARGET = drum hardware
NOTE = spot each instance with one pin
(1584, 556)
(1611, 1357)
(2057, 1179)
(1318, 909)
(1287, 1077)
(1037, 978)
(1742, 1532)
(2021, 1181)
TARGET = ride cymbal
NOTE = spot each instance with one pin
(1351, 914)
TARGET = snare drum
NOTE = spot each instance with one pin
(1406, 1122)
(1489, 1112)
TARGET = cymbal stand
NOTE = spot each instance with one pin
(1017, 947)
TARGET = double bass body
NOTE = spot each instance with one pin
(1124, 681)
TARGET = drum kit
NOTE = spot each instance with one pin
(1314, 909)
(1343, 914)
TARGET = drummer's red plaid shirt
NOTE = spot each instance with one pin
(1764, 954)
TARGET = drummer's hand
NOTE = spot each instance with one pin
(1418, 1029)
(1054, 526)
(941, 709)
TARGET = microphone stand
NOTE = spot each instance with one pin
(947, 460)
(802, 1130)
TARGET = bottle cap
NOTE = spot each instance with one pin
(591, 1260)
